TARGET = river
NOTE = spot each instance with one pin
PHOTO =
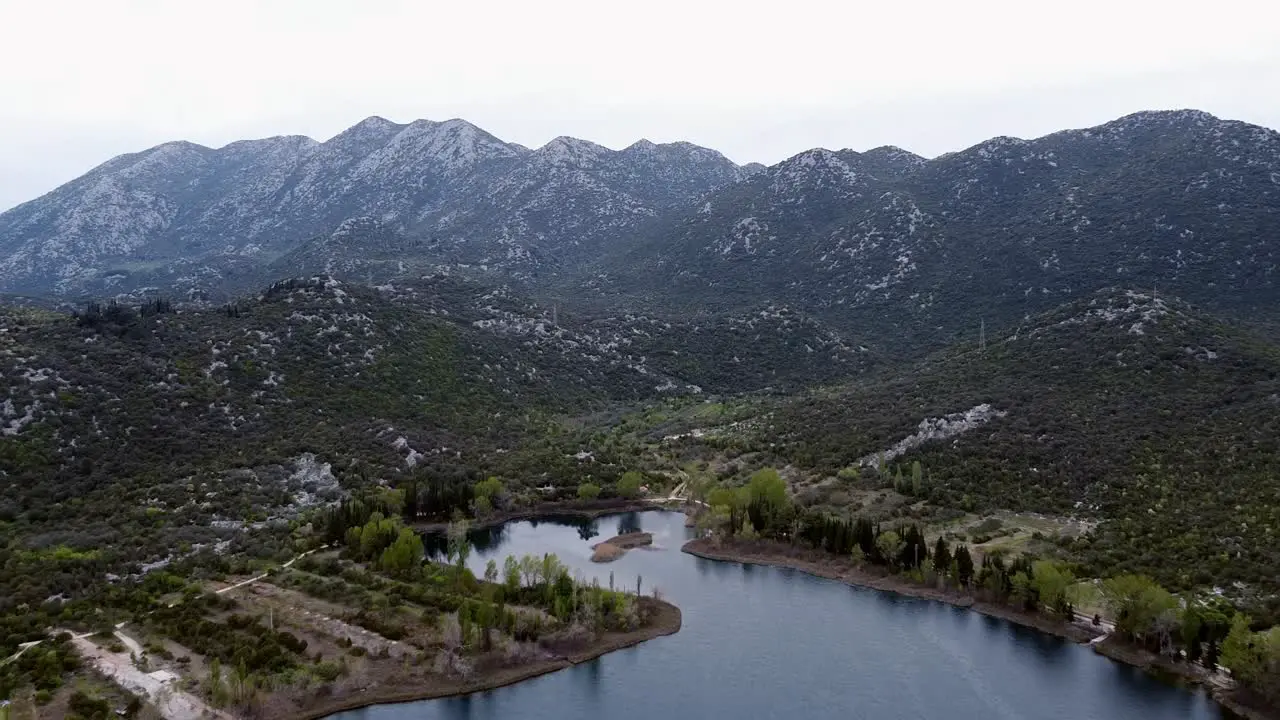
(760, 642)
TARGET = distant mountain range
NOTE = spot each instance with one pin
(185, 217)
(883, 241)
(1181, 202)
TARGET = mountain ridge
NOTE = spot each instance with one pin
(1007, 227)
(183, 202)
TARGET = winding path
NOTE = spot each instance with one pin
(253, 580)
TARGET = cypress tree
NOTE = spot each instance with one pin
(941, 557)
(964, 565)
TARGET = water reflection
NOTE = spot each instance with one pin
(628, 522)
(761, 642)
(592, 672)
(461, 708)
(588, 530)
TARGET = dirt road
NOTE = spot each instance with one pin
(164, 692)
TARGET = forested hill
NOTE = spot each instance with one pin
(1140, 411)
(190, 419)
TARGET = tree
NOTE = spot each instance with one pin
(530, 568)
(459, 544)
(766, 487)
(767, 504)
(1212, 654)
(890, 545)
(964, 565)
(405, 555)
(914, 550)
(722, 497)
(511, 574)
(1023, 589)
(588, 491)
(489, 488)
(1136, 601)
(550, 569)
(629, 484)
(941, 557)
(411, 500)
(1189, 630)
(491, 571)
(1053, 583)
(1244, 652)
(917, 478)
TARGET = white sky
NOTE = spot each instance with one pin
(82, 81)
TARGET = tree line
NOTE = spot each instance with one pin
(1195, 629)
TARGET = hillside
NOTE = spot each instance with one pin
(201, 420)
(1143, 413)
(192, 421)
(904, 253)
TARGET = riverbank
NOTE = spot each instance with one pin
(830, 567)
(1217, 684)
(549, 511)
(825, 565)
(663, 619)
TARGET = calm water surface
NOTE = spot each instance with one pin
(763, 642)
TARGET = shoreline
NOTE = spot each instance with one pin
(546, 512)
(830, 567)
(666, 620)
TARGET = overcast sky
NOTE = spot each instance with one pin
(82, 81)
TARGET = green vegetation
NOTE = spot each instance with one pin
(629, 484)
(1127, 439)
(1150, 424)
(1144, 613)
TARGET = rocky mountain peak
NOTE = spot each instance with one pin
(570, 151)
(372, 126)
(455, 144)
(642, 145)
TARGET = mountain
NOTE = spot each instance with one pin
(902, 251)
(192, 219)
(897, 253)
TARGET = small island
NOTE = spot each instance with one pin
(617, 546)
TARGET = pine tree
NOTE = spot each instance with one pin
(941, 557)
(964, 565)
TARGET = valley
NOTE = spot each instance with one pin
(247, 388)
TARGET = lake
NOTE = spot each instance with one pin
(761, 642)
